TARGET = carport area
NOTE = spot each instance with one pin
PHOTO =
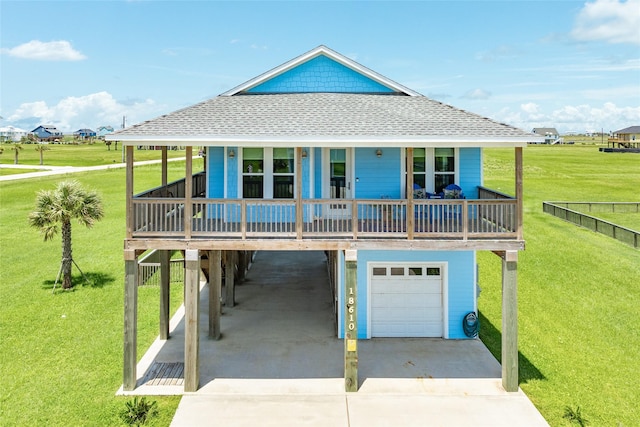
(279, 362)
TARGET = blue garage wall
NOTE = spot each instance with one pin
(470, 171)
(378, 176)
(461, 281)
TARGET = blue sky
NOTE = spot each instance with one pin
(572, 65)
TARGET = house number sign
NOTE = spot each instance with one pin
(351, 319)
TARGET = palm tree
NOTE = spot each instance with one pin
(16, 149)
(41, 148)
(56, 208)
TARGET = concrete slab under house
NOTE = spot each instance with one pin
(324, 154)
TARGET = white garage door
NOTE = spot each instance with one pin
(406, 301)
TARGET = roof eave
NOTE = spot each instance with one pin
(323, 141)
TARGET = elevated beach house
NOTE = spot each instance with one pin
(324, 154)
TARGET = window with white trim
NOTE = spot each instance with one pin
(433, 169)
(268, 173)
(444, 171)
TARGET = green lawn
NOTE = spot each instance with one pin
(62, 354)
(578, 336)
(77, 155)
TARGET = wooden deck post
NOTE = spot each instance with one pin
(191, 313)
(129, 190)
(215, 288)
(410, 206)
(519, 193)
(510, 321)
(165, 279)
(164, 167)
(130, 320)
(298, 175)
(229, 278)
(188, 193)
(351, 322)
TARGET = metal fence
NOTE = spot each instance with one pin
(574, 213)
(149, 272)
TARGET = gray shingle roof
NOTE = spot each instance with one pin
(629, 130)
(309, 116)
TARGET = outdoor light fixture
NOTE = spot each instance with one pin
(232, 154)
(379, 152)
(304, 154)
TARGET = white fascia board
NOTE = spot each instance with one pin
(321, 50)
(373, 141)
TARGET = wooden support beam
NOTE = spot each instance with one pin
(191, 315)
(509, 324)
(519, 193)
(165, 279)
(409, 190)
(129, 190)
(242, 264)
(229, 278)
(351, 322)
(164, 166)
(298, 174)
(215, 289)
(130, 321)
(188, 193)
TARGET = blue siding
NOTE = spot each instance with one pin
(232, 175)
(460, 291)
(215, 172)
(470, 171)
(306, 176)
(318, 172)
(378, 177)
(320, 74)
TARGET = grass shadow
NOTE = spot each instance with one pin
(90, 279)
(492, 339)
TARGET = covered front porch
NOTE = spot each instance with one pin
(179, 210)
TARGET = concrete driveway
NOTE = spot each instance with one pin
(279, 363)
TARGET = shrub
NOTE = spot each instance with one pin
(575, 416)
(138, 411)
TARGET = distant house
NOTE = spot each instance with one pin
(104, 130)
(626, 139)
(10, 133)
(47, 133)
(84, 134)
(630, 134)
(551, 135)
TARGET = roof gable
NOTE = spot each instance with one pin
(320, 70)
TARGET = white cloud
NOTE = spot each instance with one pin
(60, 50)
(530, 108)
(613, 21)
(581, 117)
(477, 94)
(88, 111)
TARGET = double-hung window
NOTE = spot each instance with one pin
(444, 171)
(434, 168)
(268, 173)
(283, 173)
(420, 167)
